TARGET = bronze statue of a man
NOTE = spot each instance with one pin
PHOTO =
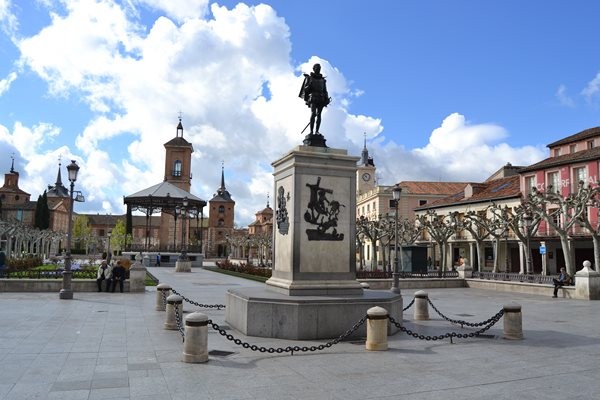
(314, 93)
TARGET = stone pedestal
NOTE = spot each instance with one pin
(259, 311)
(183, 266)
(313, 292)
(587, 283)
(314, 243)
(137, 275)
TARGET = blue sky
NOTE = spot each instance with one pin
(444, 90)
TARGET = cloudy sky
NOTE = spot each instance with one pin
(443, 90)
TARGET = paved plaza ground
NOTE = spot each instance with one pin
(113, 346)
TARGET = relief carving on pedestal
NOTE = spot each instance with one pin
(322, 212)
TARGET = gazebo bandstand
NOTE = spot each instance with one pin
(172, 203)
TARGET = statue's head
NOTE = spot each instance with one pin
(317, 68)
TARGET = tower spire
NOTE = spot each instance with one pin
(222, 175)
(58, 176)
(179, 132)
(365, 153)
(12, 165)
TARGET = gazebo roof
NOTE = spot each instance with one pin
(164, 196)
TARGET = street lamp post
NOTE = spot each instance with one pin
(528, 219)
(201, 229)
(108, 253)
(175, 228)
(66, 293)
(395, 283)
(183, 211)
(506, 251)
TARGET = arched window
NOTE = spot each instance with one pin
(177, 168)
(220, 222)
(221, 209)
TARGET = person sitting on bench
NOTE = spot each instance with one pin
(562, 280)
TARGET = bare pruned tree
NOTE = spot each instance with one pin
(440, 228)
(561, 214)
(373, 230)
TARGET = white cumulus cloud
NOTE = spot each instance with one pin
(592, 88)
(229, 72)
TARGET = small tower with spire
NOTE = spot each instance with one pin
(365, 172)
(220, 218)
(59, 202)
(14, 201)
(58, 191)
(178, 160)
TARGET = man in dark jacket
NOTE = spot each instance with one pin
(118, 275)
(562, 280)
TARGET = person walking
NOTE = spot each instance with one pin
(118, 276)
(104, 273)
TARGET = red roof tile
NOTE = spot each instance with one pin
(497, 189)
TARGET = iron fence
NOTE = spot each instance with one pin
(406, 275)
(57, 274)
(515, 277)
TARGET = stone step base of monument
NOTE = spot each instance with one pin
(265, 313)
(315, 287)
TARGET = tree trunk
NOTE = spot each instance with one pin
(443, 260)
(374, 246)
(361, 260)
(496, 258)
(566, 247)
(480, 254)
(596, 241)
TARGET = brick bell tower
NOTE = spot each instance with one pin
(178, 172)
(220, 220)
(178, 160)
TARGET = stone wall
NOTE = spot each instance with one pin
(51, 285)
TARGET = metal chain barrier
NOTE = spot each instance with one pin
(217, 306)
(179, 324)
(164, 296)
(449, 335)
(289, 349)
(409, 305)
(461, 322)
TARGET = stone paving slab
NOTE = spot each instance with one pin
(113, 346)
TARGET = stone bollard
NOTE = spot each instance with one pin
(171, 320)
(421, 306)
(377, 322)
(162, 292)
(365, 285)
(195, 347)
(513, 322)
